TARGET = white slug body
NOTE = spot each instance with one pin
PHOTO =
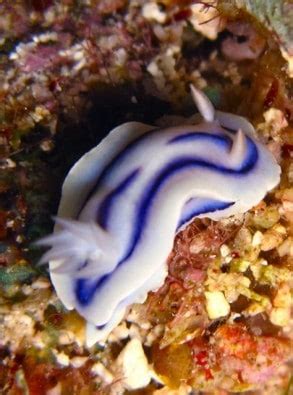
(124, 201)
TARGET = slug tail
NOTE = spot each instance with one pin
(95, 334)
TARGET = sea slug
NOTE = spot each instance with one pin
(124, 201)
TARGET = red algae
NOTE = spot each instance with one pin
(221, 354)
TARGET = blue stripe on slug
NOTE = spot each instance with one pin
(85, 289)
(197, 206)
(222, 141)
(105, 206)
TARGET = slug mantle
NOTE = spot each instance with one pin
(124, 201)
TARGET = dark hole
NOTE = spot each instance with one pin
(241, 39)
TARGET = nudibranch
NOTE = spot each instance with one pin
(124, 201)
